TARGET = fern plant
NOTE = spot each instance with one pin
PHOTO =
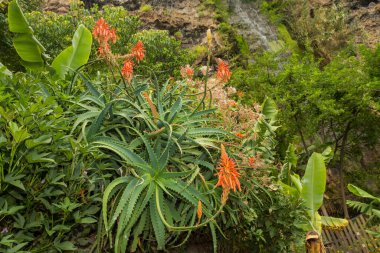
(164, 149)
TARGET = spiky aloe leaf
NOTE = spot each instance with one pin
(120, 149)
(122, 202)
(214, 239)
(202, 113)
(174, 110)
(182, 174)
(95, 126)
(138, 230)
(107, 194)
(158, 225)
(83, 117)
(153, 157)
(128, 210)
(139, 209)
(206, 131)
(91, 88)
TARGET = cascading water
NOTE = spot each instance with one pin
(255, 29)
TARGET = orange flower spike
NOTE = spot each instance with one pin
(199, 210)
(102, 32)
(138, 51)
(239, 135)
(223, 72)
(228, 173)
(187, 72)
(127, 70)
(252, 160)
(151, 105)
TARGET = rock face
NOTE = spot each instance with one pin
(186, 19)
(366, 13)
(58, 6)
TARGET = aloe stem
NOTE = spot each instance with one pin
(182, 228)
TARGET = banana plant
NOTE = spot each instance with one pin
(32, 52)
(372, 208)
(311, 189)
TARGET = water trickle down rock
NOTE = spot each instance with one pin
(253, 26)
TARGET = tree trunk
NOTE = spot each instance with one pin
(301, 135)
(341, 170)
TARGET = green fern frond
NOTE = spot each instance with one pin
(361, 207)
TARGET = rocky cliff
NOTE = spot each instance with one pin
(365, 13)
(189, 19)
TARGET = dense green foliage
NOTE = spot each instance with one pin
(91, 161)
(93, 156)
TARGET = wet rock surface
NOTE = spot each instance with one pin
(254, 27)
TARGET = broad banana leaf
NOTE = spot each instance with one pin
(269, 109)
(314, 183)
(27, 46)
(75, 55)
(361, 193)
(333, 223)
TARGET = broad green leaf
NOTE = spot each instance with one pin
(88, 220)
(75, 55)
(359, 192)
(44, 139)
(328, 154)
(333, 223)
(314, 183)
(18, 184)
(27, 46)
(19, 134)
(269, 109)
(35, 157)
(65, 245)
(16, 19)
(4, 71)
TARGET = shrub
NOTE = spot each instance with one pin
(145, 8)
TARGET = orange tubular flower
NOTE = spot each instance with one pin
(127, 70)
(138, 51)
(252, 160)
(240, 135)
(199, 210)
(228, 173)
(103, 34)
(223, 72)
(187, 72)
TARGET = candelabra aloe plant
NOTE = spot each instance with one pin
(164, 149)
